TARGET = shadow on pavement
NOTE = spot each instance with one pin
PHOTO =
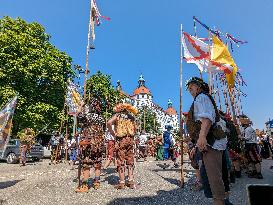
(112, 179)
(7, 184)
(177, 196)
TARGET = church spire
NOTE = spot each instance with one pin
(141, 81)
(119, 88)
(170, 104)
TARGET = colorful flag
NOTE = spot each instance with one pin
(6, 121)
(95, 17)
(195, 51)
(221, 58)
(73, 99)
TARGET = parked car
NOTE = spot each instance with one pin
(47, 152)
(11, 153)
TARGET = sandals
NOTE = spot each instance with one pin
(96, 185)
(120, 186)
(130, 184)
(82, 189)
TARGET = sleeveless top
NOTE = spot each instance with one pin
(125, 125)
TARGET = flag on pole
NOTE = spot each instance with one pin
(195, 51)
(221, 57)
(95, 17)
(73, 99)
(6, 115)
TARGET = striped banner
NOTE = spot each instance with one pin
(6, 115)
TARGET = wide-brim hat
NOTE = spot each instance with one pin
(199, 82)
(125, 107)
(244, 120)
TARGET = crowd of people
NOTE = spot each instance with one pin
(219, 147)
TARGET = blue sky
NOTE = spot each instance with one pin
(143, 37)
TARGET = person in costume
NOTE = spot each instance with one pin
(27, 139)
(251, 148)
(159, 148)
(92, 126)
(55, 147)
(142, 145)
(73, 145)
(168, 145)
(110, 142)
(211, 141)
(124, 130)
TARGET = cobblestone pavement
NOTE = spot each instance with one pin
(42, 183)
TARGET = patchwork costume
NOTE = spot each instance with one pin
(91, 143)
(125, 129)
(27, 139)
(56, 142)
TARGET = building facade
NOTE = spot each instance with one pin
(142, 97)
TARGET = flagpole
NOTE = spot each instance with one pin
(209, 70)
(87, 51)
(181, 113)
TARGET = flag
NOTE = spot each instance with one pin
(73, 98)
(195, 51)
(95, 17)
(221, 57)
(6, 121)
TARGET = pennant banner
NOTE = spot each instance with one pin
(6, 121)
(220, 57)
(73, 99)
(217, 33)
(195, 51)
(96, 16)
(207, 59)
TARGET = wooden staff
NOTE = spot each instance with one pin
(181, 113)
(224, 90)
(218, 91)
(212, 87)
(66, 135)
(231, 97)
(87, 50)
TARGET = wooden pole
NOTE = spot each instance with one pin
(66, 134)
(144, 123)
(209, 70)
(218, 91)
(180, 110)
(87, 51)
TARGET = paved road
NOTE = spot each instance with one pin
(54, 184)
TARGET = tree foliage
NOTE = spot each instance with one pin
(37, 71)
(148, 116)
(100, 85)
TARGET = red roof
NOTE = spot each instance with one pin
(171, 111)
(142, 90)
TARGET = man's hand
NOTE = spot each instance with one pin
(192, 152)
(202, 140)
(202, 144)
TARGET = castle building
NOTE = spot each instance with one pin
(142, 97)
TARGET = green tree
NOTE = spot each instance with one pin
(100, 85)
(36, 70)
(147, 118)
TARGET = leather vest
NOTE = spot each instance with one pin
(194, 126)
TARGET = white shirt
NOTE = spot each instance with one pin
(249, 135)
(142, 140)
(108, 136)
(203, 108)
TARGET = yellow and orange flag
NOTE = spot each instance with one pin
(221, 57)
